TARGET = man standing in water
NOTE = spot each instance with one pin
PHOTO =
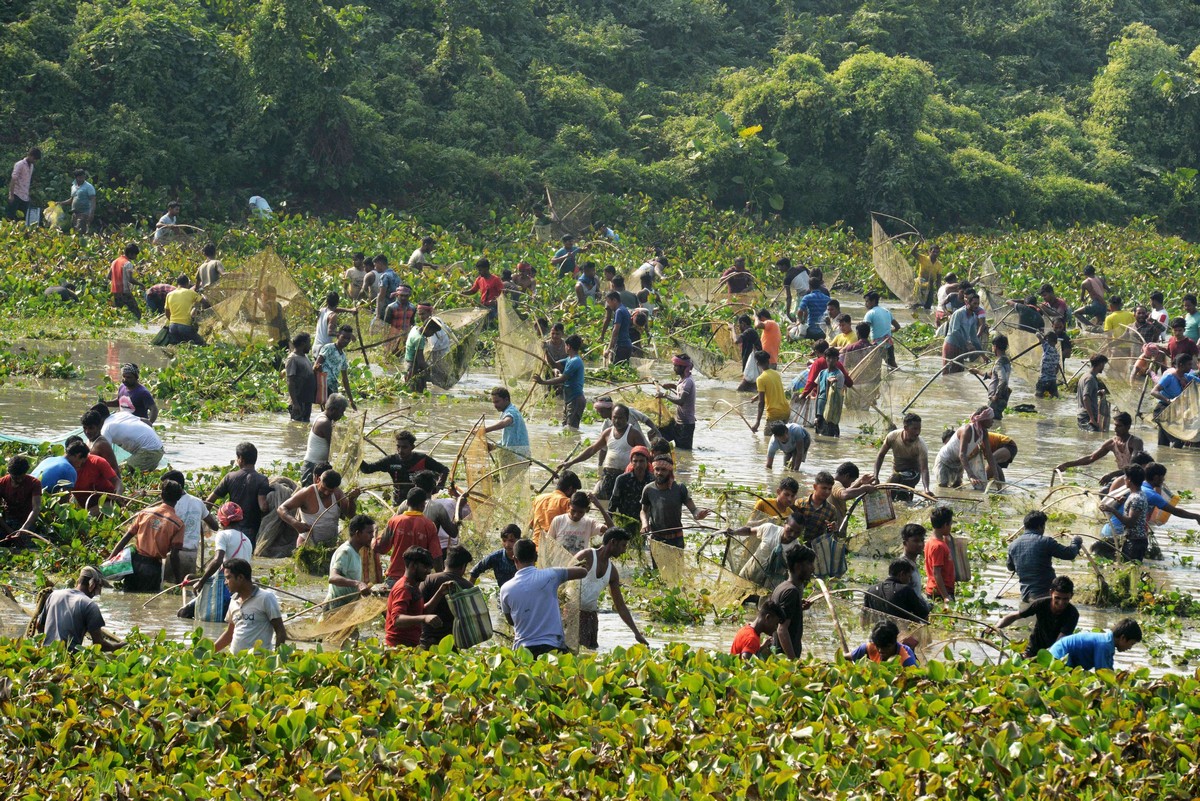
(601, 573)
(682, 429)
(626, 498)
(332, 359)
(404, 463)
(939, 559)
(801, 562)
(663, 503)
(246, 487)
(1091, 393)
(1092, 290)
(1056, 617)
(131, 387)
(69, 614)
(1122, 445)
(514, 438)
(530, 602)
(157, 535)
(618, 442)
(320, 436)
(571, 380)
(910, 457)
(1031, 554)
(134, 435)
(255, 619)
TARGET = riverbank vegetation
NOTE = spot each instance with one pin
(175, 721)
(948, 114)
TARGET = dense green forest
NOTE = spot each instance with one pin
(972, 113)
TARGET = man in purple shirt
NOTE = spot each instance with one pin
(131, 387)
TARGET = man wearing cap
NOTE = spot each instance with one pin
(157, 535)
(69, 614)
(131, 387)
(399, 316)
(682, 429)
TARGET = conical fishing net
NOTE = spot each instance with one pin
(462, 325)
(691, 571)
(518, 348)
(258, 302)
(724, 342)
(891, 266)
(348, 447)
(1181, 419)
(711, 363)
(567, 213)
(865, 367)
(336, 626)
(551, 554)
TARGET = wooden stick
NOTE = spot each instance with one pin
(837, 624)
(155, 597)
(361, 345)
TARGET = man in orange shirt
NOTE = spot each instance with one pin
(157, 535)
(408, 529)
(772, 337)
(122, 282)
(550, 505)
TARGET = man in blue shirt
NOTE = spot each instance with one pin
(56, 474)
(388, 282)
(514, 437)
(620, 344)
(571, 380)
(1152, 488)
(500, 561)
(1093, 650)
(530, 601)
(811, 311)
(83, 202)
(1030, 557)
(564, 257)
(882, 325)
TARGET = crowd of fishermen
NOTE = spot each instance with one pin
(424, 562)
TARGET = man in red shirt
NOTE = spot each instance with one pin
(405, 607)
(21, 495)
(411, 528)
(748, 640)
(94, 477)
(489, 287)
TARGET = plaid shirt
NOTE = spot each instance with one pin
(817, 519)
(400, 314)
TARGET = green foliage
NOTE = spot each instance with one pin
(674, 605)
(176, 721)
(945, 114)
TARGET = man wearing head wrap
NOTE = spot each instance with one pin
(228, 543)
(131, 387)
(682, 429)
(626, 498)
(968, 451)
(399, 315)
(663, 503)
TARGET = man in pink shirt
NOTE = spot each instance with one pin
(18, 186)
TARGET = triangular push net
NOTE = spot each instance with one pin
(566, 213)
(865, 367)
(1181, 419)
(248, 304)
(696, 573)
(551, 554)
(892, 267)
(518, 347)
(462, 325)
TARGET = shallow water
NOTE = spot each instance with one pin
(726, 453)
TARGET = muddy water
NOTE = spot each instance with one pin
(726, 453)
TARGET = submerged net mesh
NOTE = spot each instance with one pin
(724, 341)
(710, 291)
(710, 363)
(567, 213)
(891, 266)
(551, 554)
(348, 443)
(697, 573)
(259, 302)
(518, 348)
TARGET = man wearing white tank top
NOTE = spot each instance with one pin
(601, 573)
(619, 440)
(320, 436)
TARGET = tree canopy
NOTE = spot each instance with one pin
(948, 114)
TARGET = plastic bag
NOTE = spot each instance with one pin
(472, 621)
(119, 566)
(57, 216)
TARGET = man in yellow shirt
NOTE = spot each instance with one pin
(179, 305)
(1118, 322)
(845, 335)
(771, 396)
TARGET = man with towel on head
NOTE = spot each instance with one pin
(682, 429)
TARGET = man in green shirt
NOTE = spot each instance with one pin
(346, 568)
